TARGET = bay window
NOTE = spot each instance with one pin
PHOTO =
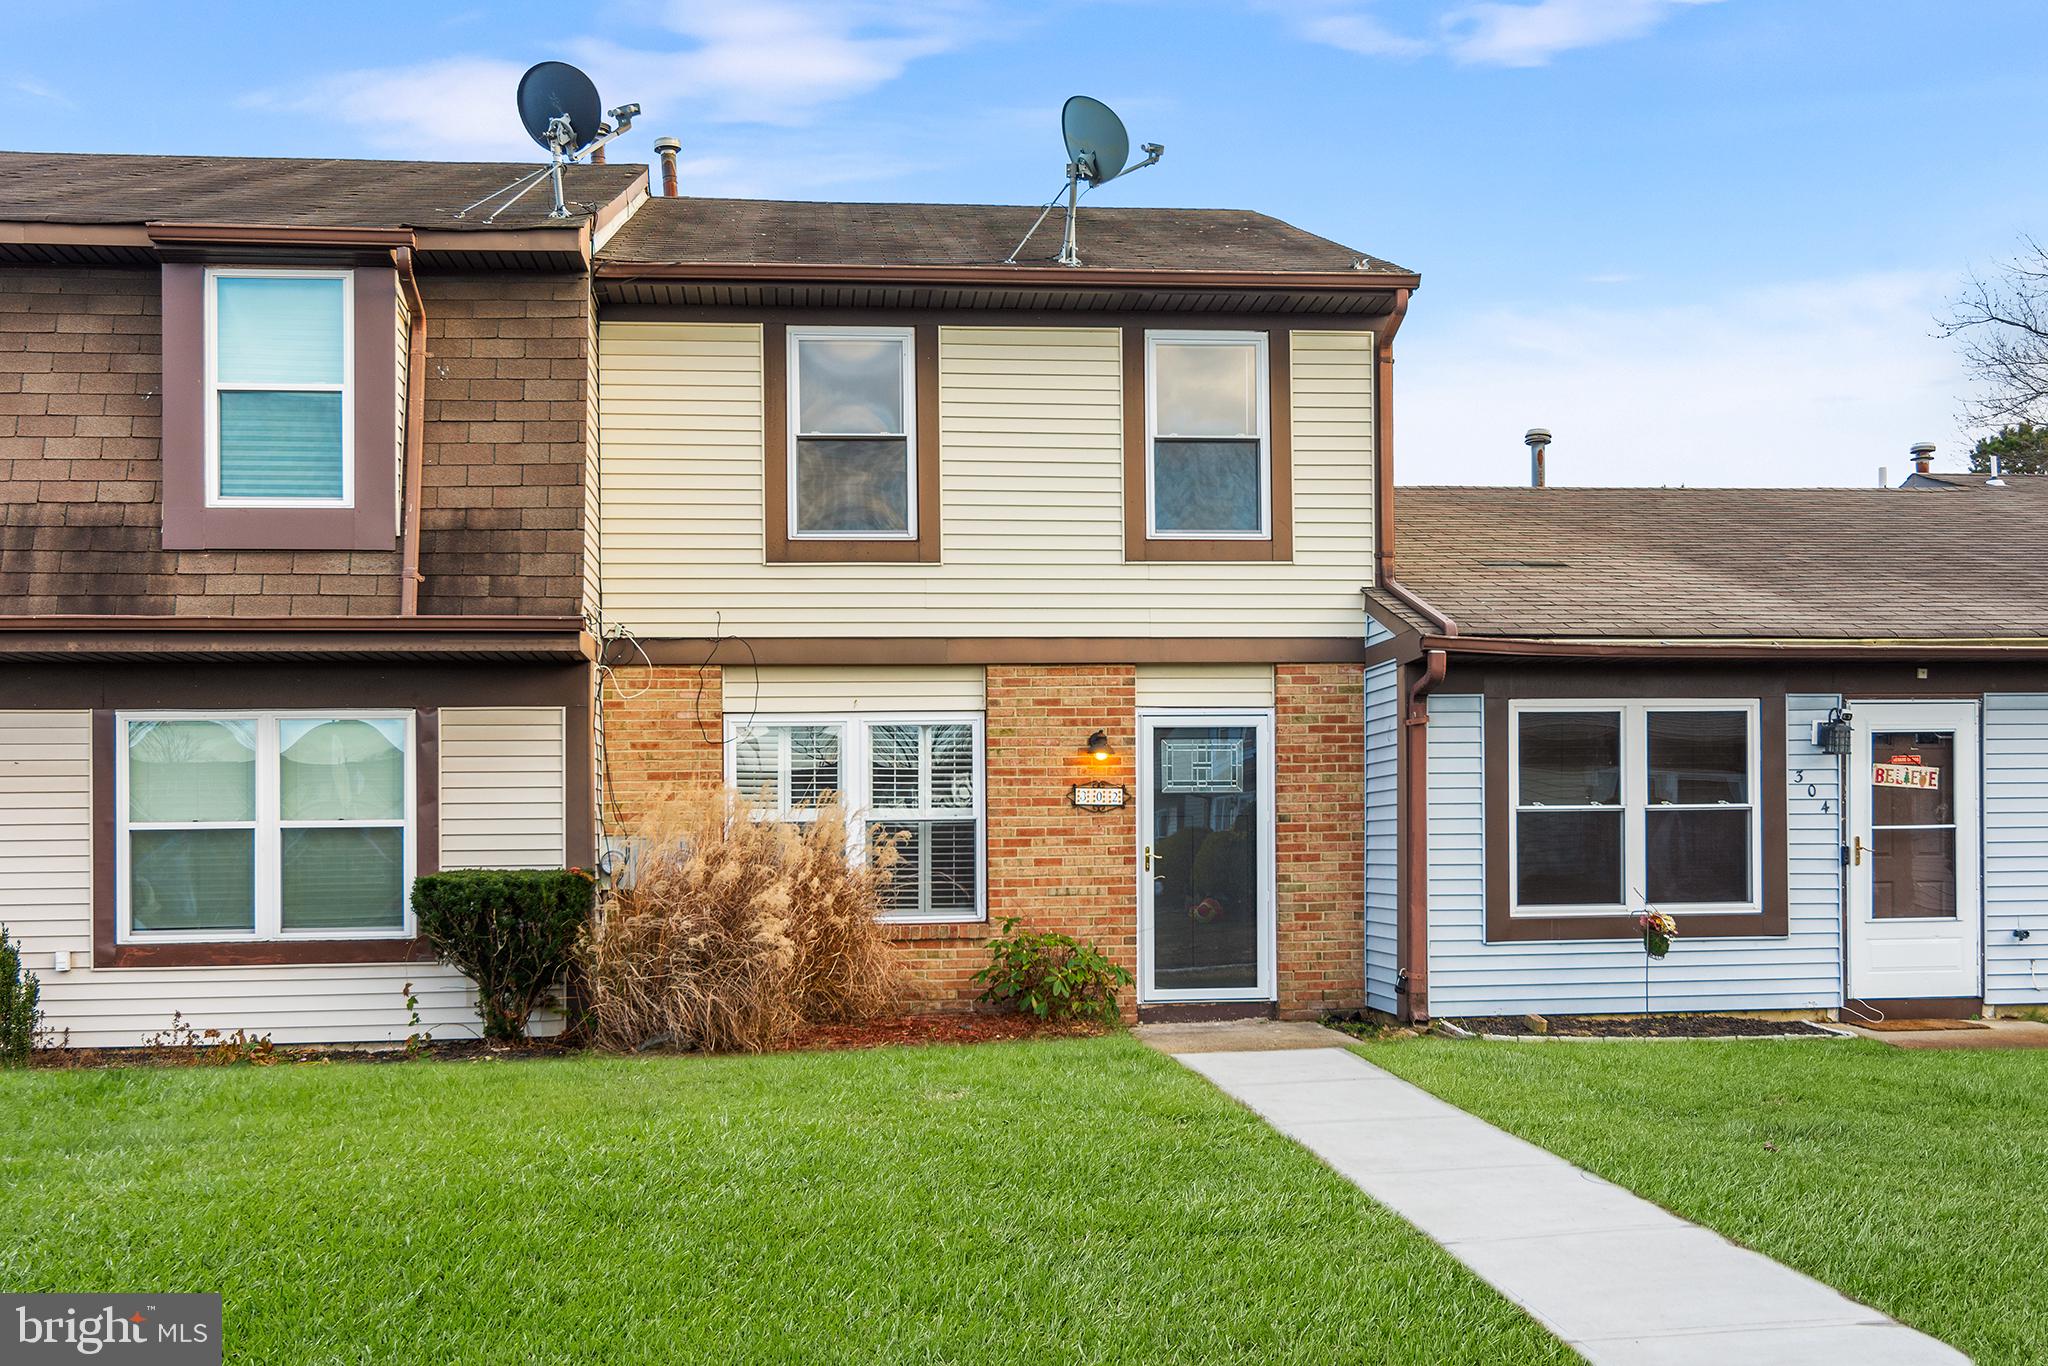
(1619, 805)
(263, 826)
(278, 381)
(914, 780)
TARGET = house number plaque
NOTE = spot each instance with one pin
(1100, 796)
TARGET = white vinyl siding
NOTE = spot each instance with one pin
(46, 902)
(879, 688)
(1218, 687)
(1031, 499)
(503, 775)
(2015, 848)
(1468, 976)
(1382, 836)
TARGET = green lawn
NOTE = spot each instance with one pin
(1913, 1181)
(1055, 1201)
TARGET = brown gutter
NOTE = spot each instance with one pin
(1526, 647)
(1383, 439)
(1057, 277)
(409, 578)
(92, 625)
(272, 235)
(1424, 675)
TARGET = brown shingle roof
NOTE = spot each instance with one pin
(1967, 562)
(696, 231)
(72, 187)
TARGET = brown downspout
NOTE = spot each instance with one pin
(1383, 439)
(415, 435)
(1423, 675)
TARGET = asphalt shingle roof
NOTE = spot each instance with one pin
(1964, 562)
(689, 230)
(74, 187)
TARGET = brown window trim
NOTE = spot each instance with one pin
(107, 953)
(782, 548)
(1502, 927)
(1138, 543)
(189, 524)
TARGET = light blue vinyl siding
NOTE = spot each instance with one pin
(1468, 976)
(1382, 868)
(2015, 848)
(1375, 632)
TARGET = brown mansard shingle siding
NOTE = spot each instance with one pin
(507, 390)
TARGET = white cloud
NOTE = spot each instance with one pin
(772, 62)
(1486, 33)
(1814, 382)
(1494, 34)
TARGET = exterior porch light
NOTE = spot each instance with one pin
(1833, 735)
(1098, 747)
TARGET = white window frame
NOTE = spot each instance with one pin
(1263, 395)
(855, 778)
(1635, 804)
(214, 387)
(782, 810)
(904, 337)
(269, 825)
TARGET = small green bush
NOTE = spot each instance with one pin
(1053, 976)
(513, 933)
(20, 1013)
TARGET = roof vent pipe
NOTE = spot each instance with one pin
(1923, 456)
(667, 148)
(1538, 442)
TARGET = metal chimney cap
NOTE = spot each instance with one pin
(1536, 436)
(1921, 448)
(668, 144)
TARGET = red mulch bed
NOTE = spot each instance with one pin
(893, 1032)
(927, 1029)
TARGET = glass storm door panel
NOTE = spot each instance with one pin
(1206, 858)
(1914, 895)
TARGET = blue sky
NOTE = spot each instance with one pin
(1704, 241)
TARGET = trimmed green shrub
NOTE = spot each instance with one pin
(512, 932)
(20, 1013)
(1053, 976)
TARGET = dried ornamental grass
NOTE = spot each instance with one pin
(736, 931)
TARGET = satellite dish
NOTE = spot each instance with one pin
(559, 106)
(1098, 150)
(1096, 140)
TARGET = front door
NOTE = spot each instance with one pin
(1915, 893)
(1205, 857)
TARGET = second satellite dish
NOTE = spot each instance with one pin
(559, 106)
(1097, 143)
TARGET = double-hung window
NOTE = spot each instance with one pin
(915, 781)
(1210, 458)
(852, 453)
(1618, 805)
(278, 388)
(264, 825)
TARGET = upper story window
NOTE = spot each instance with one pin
(1618, 805)
(279, 385)
(1210, 466)
(264, 825)
(852, 455)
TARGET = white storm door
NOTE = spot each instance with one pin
(1915, 858)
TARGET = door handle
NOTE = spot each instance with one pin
(1148, 858)
(1856, 856)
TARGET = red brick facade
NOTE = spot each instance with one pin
(503, 495)
(1057, 867)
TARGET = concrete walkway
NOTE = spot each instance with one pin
(1616, 1277)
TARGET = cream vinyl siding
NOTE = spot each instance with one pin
(46, 897)
(816, 691)
(1205, 685)
(502, 771)
(1031, 505)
